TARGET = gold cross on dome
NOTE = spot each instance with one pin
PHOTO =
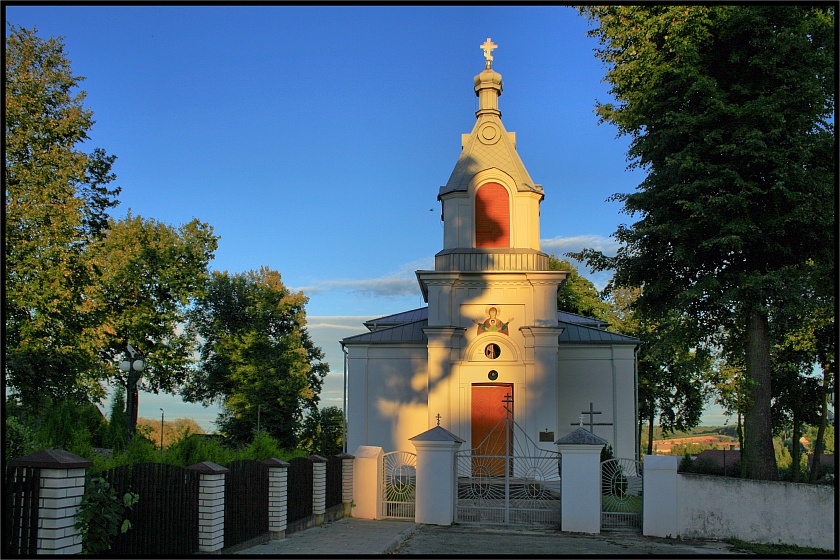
(488, 47)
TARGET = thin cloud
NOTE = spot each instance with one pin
(401, 283)
(562, 245)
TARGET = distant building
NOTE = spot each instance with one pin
(724, 460)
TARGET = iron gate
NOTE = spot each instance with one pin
(621, 494)
(399, 484)
(508, 479)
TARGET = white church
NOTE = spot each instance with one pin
(491, 330)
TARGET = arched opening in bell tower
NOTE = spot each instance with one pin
(492, 216)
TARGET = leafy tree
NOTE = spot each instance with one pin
(256, 356)
(322, 432)
(56, 205)
(671, 373)
(795, 403)
(150, 273)
(117, 420)
(732, 389)
(578, 294)
(730, 110)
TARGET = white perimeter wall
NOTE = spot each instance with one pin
(718, 507)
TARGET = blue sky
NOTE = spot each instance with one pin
(314, 138)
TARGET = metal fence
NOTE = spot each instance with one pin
(246, 501)
(622, 489)
(165, 520)
(334, 471)
(300, 487)
(20, 519)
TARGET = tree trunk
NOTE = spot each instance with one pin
(819, 445)
(650, 434)
(743, 463)
(131, 401)
(760, 460)
(794, 449)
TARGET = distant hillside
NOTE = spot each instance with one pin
(698, 431)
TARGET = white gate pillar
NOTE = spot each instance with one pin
(436, 491)
(367, 482)
(660, 497)
(580, 481)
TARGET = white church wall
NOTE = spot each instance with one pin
(387, 396)
(588, 374)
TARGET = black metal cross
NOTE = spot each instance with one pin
(438, 418)
(508, 399)
(591, 422)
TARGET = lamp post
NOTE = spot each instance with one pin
(133, 366)
(161, 430)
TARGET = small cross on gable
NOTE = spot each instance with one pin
(438, 418)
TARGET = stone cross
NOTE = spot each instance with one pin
(591, 422)
(488, 47)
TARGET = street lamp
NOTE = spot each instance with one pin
(161, 430)
(132, 366)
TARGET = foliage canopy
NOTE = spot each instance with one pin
(256, 355)
(730, 111)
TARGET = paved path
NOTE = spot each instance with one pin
(344, 536)
(364, 537)
(510, 541)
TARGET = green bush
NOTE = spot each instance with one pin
(101, 515)
(20, 440)
(190, 449)
(686, 464)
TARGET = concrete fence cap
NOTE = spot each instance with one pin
(581, 436)
(208, 467)
(51, 459)
(317, 459)
(275, 462)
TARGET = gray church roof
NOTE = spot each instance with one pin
(404, 332)
(580, 333)
(407, 327)
(398, 319)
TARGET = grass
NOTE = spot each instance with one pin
(779, 549)
(629, 504)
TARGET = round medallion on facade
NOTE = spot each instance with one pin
(493, 375)
(489, 134)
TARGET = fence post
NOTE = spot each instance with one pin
(580, 481)
(346, 481)
(319, 487)
(61, 489)
(436, 484)
(367, 482)
(278, 496)
(660, 497)
(211, 506)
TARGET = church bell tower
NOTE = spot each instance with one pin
(492, 301)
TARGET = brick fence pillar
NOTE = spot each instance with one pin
(346, 482)
(319, 487)
(211, 506)
(61, 489)
(278, 481)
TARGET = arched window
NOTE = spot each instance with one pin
(492, 216)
